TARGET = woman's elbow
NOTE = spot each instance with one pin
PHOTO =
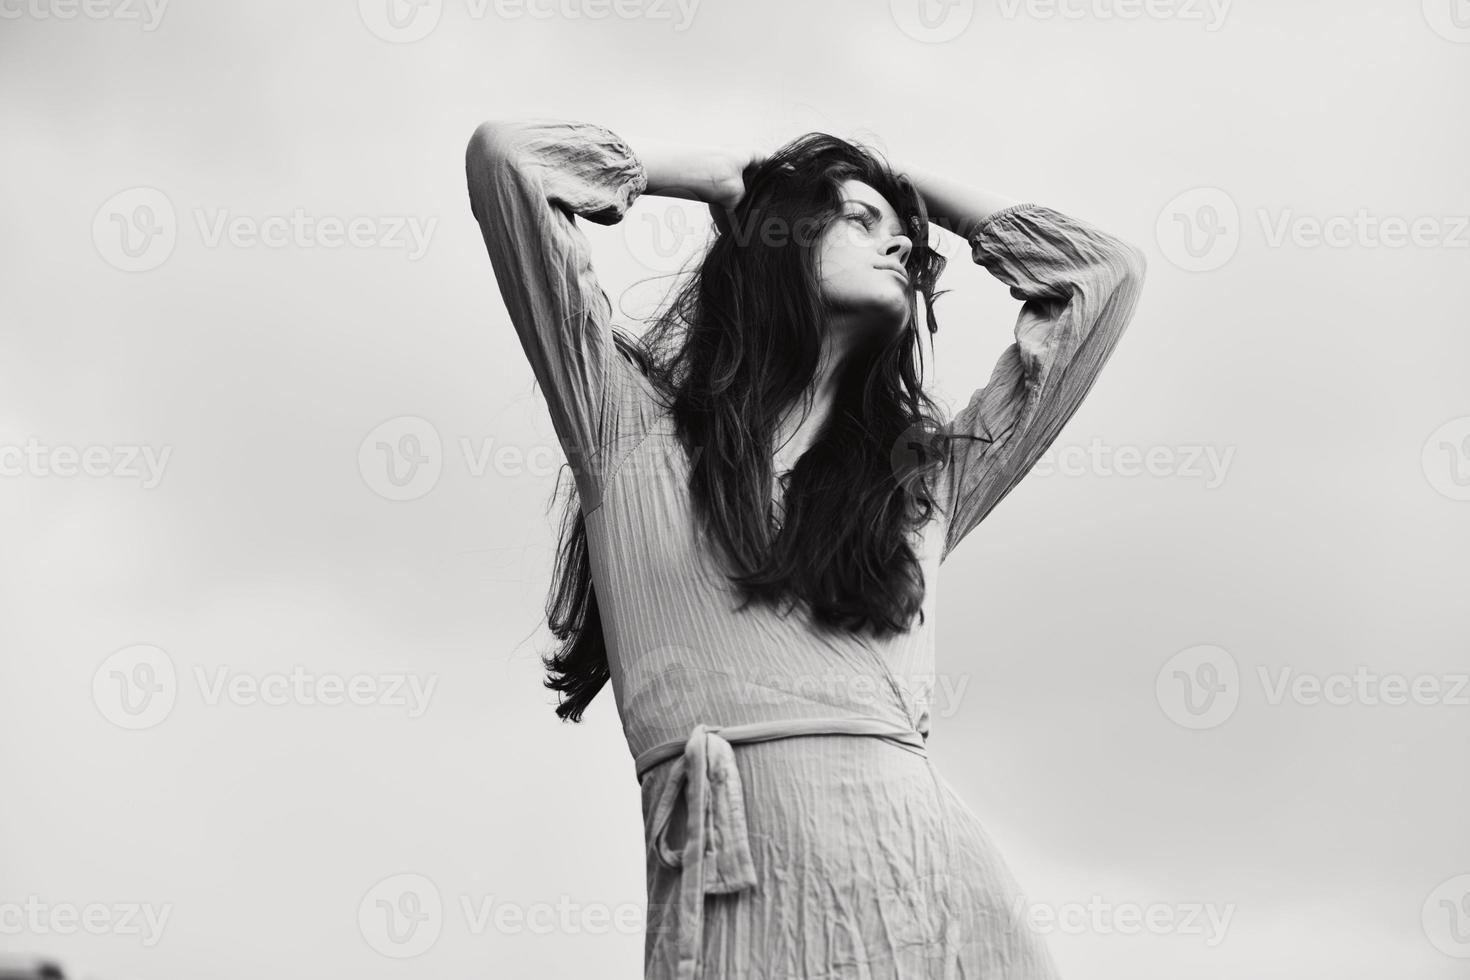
(494, 140)
(1127, 265)
(1137, 264)
(492, 152)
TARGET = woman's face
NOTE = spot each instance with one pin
(861, 258)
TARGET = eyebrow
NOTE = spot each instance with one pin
(873, 212)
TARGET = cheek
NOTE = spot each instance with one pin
(842, 271)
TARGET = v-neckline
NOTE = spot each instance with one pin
(778, 495)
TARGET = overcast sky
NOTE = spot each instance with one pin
(1223, 676)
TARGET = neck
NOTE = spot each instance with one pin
(801, 419)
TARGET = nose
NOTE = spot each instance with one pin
(899, 247)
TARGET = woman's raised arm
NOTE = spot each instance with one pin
(955, 206)
(1079, 287)
(528, 178)
(694, 172)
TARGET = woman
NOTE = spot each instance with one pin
(763, 497)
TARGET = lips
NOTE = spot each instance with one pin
(895, 269)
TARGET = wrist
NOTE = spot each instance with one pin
(708, 174)
(954, 206)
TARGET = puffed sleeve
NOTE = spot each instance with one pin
(528, 180)
(1078, 286)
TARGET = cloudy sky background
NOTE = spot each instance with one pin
(1308, 513)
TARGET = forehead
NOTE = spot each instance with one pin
(856, 190)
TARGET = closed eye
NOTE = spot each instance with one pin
(869, 217)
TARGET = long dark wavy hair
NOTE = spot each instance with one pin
(738, 344)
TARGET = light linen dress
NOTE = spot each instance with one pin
(776, 847)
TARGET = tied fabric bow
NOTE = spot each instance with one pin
(716, 854)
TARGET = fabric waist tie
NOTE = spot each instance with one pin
(716, 827)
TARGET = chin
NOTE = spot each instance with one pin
(896, 317)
